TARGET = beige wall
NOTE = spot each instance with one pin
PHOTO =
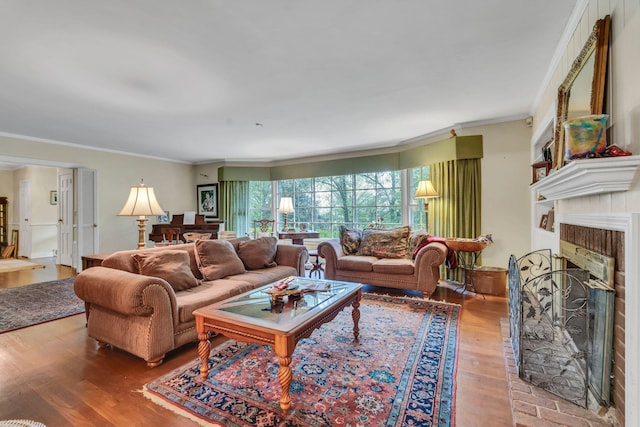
(506, 175)
(174, 183)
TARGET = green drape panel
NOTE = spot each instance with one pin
(234, 205)
(457, 212)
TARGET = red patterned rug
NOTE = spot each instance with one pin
(38, 303)
(400, 373)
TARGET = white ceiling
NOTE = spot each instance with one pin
(241, 80)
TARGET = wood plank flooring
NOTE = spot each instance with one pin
(53, 373)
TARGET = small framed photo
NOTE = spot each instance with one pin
(550, 219)
(544, 220)
(207, 196)
(540, 170)
(164, 219)
(53, 197)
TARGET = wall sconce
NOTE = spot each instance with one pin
(142, 201)
(426, 191)
(286, 207)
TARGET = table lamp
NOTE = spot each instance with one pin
(426, 191)
(142, 201)
(286, 207)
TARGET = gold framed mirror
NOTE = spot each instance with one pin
(582, 91)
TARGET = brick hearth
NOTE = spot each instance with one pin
(534, 407)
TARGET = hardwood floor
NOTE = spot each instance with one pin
(55, 374)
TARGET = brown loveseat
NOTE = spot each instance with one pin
(389, 258)
(142, 301)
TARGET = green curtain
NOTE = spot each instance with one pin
(234, 205)
(457, 212)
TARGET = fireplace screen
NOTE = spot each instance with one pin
(559, 331)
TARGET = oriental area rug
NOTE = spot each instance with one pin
(38, 303)
(400, 373)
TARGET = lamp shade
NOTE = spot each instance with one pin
(286, 205)
(142, 201)
(425, 190)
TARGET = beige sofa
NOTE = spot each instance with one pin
(388, 264)
(142, 301)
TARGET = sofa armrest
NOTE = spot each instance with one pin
(427, 265)
(295, 256)
(125, 292)
(330, 250)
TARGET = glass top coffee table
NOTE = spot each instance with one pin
(279, 319)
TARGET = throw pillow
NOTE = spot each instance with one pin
(258, 253)
(170, 265)
(417, 239)
(350, 240)
(217, 259)
(385, 243)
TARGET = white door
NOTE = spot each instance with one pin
(65, 217)
(87, 197)
(24, 238)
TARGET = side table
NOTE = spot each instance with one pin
(95, 260)
(467, 252)
(297, 237)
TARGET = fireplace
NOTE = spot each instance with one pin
(617, 235)
(562, 329)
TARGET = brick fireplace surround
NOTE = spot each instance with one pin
(609, 243)
(617, 236)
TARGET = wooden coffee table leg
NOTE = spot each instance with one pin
(284, 346)
(355, 315)
(204, 346)
(285, 376)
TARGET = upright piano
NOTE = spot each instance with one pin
(200, 226)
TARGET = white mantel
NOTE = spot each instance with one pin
(586, 177)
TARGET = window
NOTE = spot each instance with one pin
(416, 206)
(260, 201)
(357, 200)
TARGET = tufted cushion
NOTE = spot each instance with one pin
(217, 259)
(385, 243)
(170, 265)
(350, 240)
(258, 253)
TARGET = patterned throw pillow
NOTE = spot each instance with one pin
(385, 243)
(417, 238)
(350, 240)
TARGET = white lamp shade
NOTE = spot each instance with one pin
(142, 201)
(286, 205)
(425, 190)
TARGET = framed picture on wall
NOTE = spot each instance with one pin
(208, 199)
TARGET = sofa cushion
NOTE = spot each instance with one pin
(350, 240)
(170, 265)
(356, 263)
(207, 293)
(264, 276)
(217, 259)
(393, 266)
(258, 253)
(385, 243)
